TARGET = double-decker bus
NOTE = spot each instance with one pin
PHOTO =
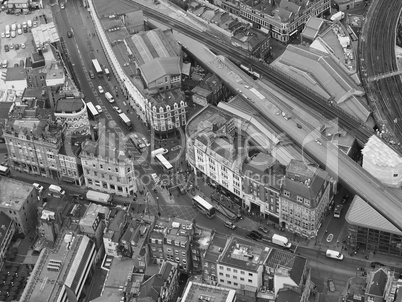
(92, 110)
(5, 171)
(97, 67)
(126, 121)
(163, 162)
(204, 206)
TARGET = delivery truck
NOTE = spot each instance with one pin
(281, 241)
(334, 254)
(337, 16)
(99, 197)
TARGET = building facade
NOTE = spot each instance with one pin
(306, 194)
(33, 141)
(18, 201)
(240, 265)
(262, 178)
(156, 238)
(72, 112)
(7, 230)
(106, 166)
(167, 112)
(281, 19)
(176, 243)
(369, 230)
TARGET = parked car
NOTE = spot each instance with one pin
(251, 236)
(38, 187)
(78, 196)
(19, 31)
(117, 109)
(257, 234)
(11, 46)
(318, 141)
(69, 34)
(6, 48)
(62, 5)
(99, 108)
(3, 35)
(263, 229)
(17, 46)
(230, 225)
(91, 74)
(100, 89)
(23, 45)
(146, 142)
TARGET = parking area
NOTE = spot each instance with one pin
(13, 55)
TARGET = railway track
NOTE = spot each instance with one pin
(379, 58)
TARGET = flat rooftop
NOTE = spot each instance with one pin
(13, 193)
(55, 268)
(198, 292)
(244, 254)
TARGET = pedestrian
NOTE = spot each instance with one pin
(326, 231)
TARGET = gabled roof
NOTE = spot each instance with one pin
(296, 273)
(290, 6)
(378, 282)
(158, 68)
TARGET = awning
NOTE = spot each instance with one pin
(68, 179)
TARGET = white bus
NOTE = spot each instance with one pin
(5, 171)
(162, 151)
(204, 206)
(126, 121)
(163, 162)
(97, 67)
(92, 110)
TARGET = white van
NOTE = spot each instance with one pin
(4, 64)
(56, 189)
(334, 254)
(109, 97)
(8, 31)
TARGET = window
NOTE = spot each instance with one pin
(177, 243)
(227, 275)
(234, 277)
(286, 193)
(250, 274)
(228, 269)
(229, 282)
(241, 279)
(241, 272)
(395, 175)
(220, 267)
(220, 274)
(235, 271)
(250, 281)
(235, 284)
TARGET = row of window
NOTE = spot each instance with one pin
(103, 167)
(176, 242)
(229, 269)
(176, 252)
(106, 176)
(103, 185)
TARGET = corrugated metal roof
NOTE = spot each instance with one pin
(362, 214)
(158, 68)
